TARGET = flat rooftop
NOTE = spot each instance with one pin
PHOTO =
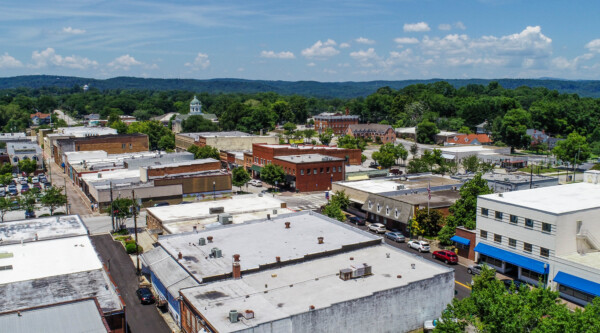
(307, 158)
(444, 198)
(304, 147)
(82, 131)
(590, 259)
(216, 134)
(514, 177)
(36, 260)
(290, 290)
(396, 184)
(200, 210)
(556, 200)
(43, 228)
(110, 175)
(467, 148)
(183, 163)
(260, 242)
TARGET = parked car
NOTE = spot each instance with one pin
(377, 228)
(35, 180)
(421, 246)
(24, 188)
(2, 193)
(29, 214)
(356, 220)
(47, 184)
(161, 204)
(145, 295)
(24, 182)
(508, 283)
(255, 182)
(446, 256)
(38, 186)
(395, 236)
(474, 269)
(12, 190)
(21, 178)
(15, 205)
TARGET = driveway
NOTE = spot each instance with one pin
(140, 318)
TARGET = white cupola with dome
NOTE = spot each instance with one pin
(195, 107)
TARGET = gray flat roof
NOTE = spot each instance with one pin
(75, 317)
(43, 227)
(182, 163)
(285, 291)
(307, 158)
(389, 185)
(260, 242)
(196, 135)
(559, 199)
(168, 271)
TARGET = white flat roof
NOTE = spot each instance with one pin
(462, 149)
(35, 260)
(307, 158)
(305, 147)
(388, 185)
(182, 163)
(290, 290)
(43, 228)
(591, 259)
(200, 210)
(558, 199)
(113, 174)
(81, 131)
(260, 242)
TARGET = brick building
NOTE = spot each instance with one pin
(112, 144)
(469, 139)
(264, 154)
(232, 140)
(337, 122)
(180, 167)
(311, 172)
(372, 131)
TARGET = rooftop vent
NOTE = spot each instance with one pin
(202, 241)
(233, 316)
(225, 218)
(354, 272)
(210, 239)
(320, 240)
(287, 225)
(248, 314)
(399, 187)
(216, 210)
(215, 252)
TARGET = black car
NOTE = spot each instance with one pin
(356, 220)
(145, 296)
(29, 214)
(517, 283)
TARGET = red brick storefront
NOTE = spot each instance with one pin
(312, 172)
(264, 154)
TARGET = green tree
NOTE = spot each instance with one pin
(27, 201)
(430, 221)
(53, 198)
(204, 152)
(464, 210)
(470, 163)
(309, 134)
(341, 199)
(6, 168)
(465, 130)
(414, 150)
(155, 132)
(333, 210)
(350, 142)
(121, 209)
(119, 125)
(574, 149)
(326, 137)
(5, 179)
(239, 176)
(6, 204)
(272, 174)
(513, 129)
(28, 166)
(198, 124)
(426, 130)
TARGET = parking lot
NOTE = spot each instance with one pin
(15, 191)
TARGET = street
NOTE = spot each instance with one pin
(140, 318)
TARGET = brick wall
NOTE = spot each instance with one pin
(313, 182)
(469, 252)
(171, 170)
(114, 144)
(338, 126)
(199, 184)
(268, 153)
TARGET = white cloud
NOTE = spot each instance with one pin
(329, 71)
(563, 63)
(445, 27)
(416, 27)
(73, 31)
(311, 64)
(593, 46)
(280, 55)
(7, 61)
(364, 55)
(321, 49)
(406, 40)
(48, 57)
(124, 62)
(200, 62)
(362, 40)
(460, 25)
(344, 45)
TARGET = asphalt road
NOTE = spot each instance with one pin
(461, 277)
(140, 318)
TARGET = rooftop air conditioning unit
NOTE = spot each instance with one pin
(216, 252)
(399, 187)
(225, 218)
(216, 210)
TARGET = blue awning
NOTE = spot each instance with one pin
(577, 283)
(512, 258)
(461, 240)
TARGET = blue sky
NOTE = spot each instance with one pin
(322, 40)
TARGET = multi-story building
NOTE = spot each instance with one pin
(549, 234)
(514, 181)
(18, 151)
(374, 132)
(264, 154)
(195, 110)
(112, 144)
(311, 172)
(49, 139)
(300, 272)
(337, 122)
(229, 141)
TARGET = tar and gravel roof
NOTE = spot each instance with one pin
(556, 200)
(42, 228)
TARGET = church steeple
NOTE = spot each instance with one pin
(195, 107)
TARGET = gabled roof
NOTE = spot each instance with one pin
(39, 115)
(370, 128)
(468, 139)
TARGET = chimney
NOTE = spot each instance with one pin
(287, 225)
(283, 205)
(236, 269)
(236, 258)
(278, 259)
(210, 238)
(180, 256)
(312, 307)
(320, 239)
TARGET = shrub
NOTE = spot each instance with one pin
(129, 241)
(122, 232)
(130, 248)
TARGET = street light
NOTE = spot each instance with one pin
(214, 195)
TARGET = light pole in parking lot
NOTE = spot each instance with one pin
(214, 193)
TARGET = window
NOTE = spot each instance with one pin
(308, 171)
(78, 149)
(315, 171)
(512, 242)
(514, 219)
(387, 210)
(529, 223)
(122, 146)
(497, 238)
(498, 215)
(544, 252)
(327, 170)
(333, 169)
(484, 211)
(301, 172)
(547, 227)
(527, 247)
(370, 204)
(396, 213)
(574, 293)
(339, 169)
(530, 274)
(491, 261)
(130, 146)
(378, 208)
(483, 234)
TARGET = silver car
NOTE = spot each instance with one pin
(474, 269)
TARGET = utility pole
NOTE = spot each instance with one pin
(112, 210)
(66, 196)
(137, 248)
(531, 178)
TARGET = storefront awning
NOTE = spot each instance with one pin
(461, 240)
(256, 168)
(512, 258)
(577, 283)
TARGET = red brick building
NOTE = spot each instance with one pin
(264, 154)
(112, 144)
(373, 131)
(311, 172)
(337, 122)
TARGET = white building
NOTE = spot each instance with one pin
(550, 233)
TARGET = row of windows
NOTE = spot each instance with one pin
(387, 209)
(527, 247)
(514, 219)
(261, 161)
(323, 170)
(575, 293)
(123, 145)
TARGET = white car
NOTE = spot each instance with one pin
(377, 228)
(35, 180)
(256, 182)
(421, 246)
